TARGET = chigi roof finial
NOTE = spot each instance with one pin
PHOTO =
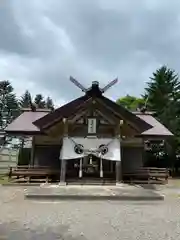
(95, 84)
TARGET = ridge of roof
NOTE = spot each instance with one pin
(143, 113)
(37, 110)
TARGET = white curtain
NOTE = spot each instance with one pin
(91, 145)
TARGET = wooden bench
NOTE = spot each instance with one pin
(33, 172)
(147, 175)
(158, 173)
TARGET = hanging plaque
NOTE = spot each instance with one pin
(91, 125)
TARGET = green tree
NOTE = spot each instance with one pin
(131, 102)
(9, 107)
(49, 103)
(163, 94)
(25, 100)
(162, 89)
(39, 101)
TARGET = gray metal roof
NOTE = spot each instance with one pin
(24, 123)
(157, 129)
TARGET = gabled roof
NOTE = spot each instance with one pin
(38, 121)
(158, 129)
(24, 123)
(68, 109)
(59, 113)
(127, 114)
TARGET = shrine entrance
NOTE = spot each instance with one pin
(90, 169)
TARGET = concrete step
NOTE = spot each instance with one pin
(89, 181)
(92, 193)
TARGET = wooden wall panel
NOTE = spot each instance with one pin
(47, 140)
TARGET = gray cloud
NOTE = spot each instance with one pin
(11, 38)
(91, 40)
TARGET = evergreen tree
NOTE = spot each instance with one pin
(49, 103)
(162, 90)
(25, 100)
(9, 108)
(163, 94)
(39, 101)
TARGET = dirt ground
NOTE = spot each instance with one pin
(76, 220)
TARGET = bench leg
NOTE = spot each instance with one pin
(9, 177)
(47, 179)
(10, 174)
(166, 180)
(130, 180)
(29, 179)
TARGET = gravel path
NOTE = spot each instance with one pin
(25, 219)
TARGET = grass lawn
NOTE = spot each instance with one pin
(3, 179)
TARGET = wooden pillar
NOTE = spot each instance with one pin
(101, 168)
(119, 163)
(63, 161)
(118, 172)
(80, 168)
(63, 172)
(32, 152)
(20, 155)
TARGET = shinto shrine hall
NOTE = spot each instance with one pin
(88, 138)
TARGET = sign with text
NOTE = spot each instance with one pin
(91, 125)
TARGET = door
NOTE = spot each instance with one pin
(47, 156)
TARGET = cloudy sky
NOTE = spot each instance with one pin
(43, 42)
